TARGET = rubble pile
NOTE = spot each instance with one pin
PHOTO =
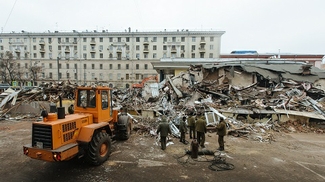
(255, 99)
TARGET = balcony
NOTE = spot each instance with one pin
(92, 42)
(201, 49)
(42, 50)
(119, 50)
(41, 42)
(17, 50)
(92, 50)
(66, 50)
(146, 50)
(202, 42)
(145, 42)
(173, 50)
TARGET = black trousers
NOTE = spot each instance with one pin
(163, 142)
(192, 132)
(182, 139)
(221, 141)
(201, 138)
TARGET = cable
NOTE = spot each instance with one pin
(8, 16)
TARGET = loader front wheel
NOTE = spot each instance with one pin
(99, 149)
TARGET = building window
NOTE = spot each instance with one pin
(34, 47)
(101, 76)
(60, 75)
(137, 66)
(145, 66)
(60, 66)
(193, 39)
(154, 47)
(101, 55)
(101, 47)
(50, 65)
(100, 39)
(193, 47)
(137, 47)
(137, 39)
(84, 39)
(154, 39)
(182, 48)
(127, 76)
(211, 47)
(138, 76)
(193, 55)
(59, 48)
(67, 65)
(50, 75)
(182, 39)
(93, 66)
(137, 56)
(75, 40)
(68, 75)
(92, 55)
(211, 39)
(211, 55)
(127, 39)
(75, 76)
(118, 76)
(34, 40)
(101, 66)
(110, 66)
(201, 55)
(118, 66)
(85, 66)
(111, 39)
(119, 39)
(182, 55)
(165, 39)
(93, 76)
(35, 55)
(145, 55)
(127, 66)
(110, 76)
(164, 48)
(84, 55)
(154, 55)
(174, 39)
(67, 39)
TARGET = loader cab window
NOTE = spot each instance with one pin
(87, 98)
(104, 95)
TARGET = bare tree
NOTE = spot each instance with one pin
(8, 67)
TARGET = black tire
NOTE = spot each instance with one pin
(124, 134)
(99, 149)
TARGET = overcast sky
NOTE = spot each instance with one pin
(267, 26)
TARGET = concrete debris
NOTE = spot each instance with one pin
(255, 99)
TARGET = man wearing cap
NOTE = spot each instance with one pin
(183, 129)
(191, 125)
(201, 129)
(164, 130)
(221, 132)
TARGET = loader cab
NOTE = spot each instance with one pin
(96, 101)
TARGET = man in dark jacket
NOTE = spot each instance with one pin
(183, 129)
(201, 129)
(221, 132)
(191, 125)
(164, 130)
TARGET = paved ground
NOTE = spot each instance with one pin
(293, 157)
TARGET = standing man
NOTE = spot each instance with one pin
(201, 129)
(183, 129)
(191, 124)
(164, 130)
(221, 132)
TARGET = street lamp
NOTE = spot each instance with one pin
(57, 60)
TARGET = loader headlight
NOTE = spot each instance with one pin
(57, 156)
(25, 150)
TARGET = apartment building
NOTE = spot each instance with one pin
(118, 59)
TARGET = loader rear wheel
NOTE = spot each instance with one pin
(126, 132)
(99, 148)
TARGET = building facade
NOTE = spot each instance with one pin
(118, 59)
